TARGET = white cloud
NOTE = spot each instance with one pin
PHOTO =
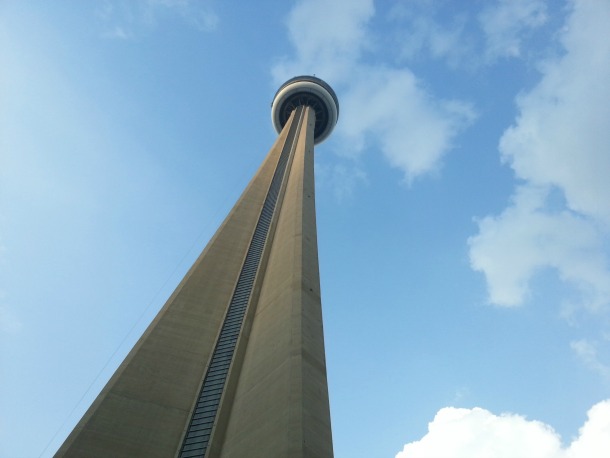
(561, 135)
(560, 142)
(594, 437)
(505, 23)
(444, 29)
(126, 19)
(527, 237)
(478, 433)
(328, 44)
(388, 108)
(588, 354)
(420, 30)
(382, 105)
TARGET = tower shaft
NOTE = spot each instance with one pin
(233, 365)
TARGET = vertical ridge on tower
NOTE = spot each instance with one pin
(202, 422)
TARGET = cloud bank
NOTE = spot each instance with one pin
(478, 433)
(559, 147)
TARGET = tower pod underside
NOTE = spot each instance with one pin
(310, 91)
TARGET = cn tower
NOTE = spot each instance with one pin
(234, 365)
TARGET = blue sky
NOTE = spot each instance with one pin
(462, 201)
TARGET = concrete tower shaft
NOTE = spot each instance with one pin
(233, 365)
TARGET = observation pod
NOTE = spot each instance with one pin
(310, 91)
